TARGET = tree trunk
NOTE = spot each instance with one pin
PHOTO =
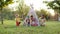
(1, 16)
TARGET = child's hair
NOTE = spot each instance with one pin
(43, 16)
(31, 15)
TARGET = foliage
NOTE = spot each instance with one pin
(43, 12)
(23, 9)
(54, 5)
(2, 4)
(5, 2)
(8, 14)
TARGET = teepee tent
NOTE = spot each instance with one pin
(32, 12)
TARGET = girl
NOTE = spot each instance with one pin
(17, 20)
(33, 21)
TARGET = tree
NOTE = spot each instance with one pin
(43, 12)
(54, 5)
(3, 3)
(8, 14)
(23, 9)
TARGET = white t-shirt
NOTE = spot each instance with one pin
(42, 21)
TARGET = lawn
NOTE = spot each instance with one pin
(9, 27)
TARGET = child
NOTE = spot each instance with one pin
(17, 20)
(33, 21)
(42, 20)
(28, 21)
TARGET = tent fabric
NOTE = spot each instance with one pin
(32, 12)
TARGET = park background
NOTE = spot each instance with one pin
(49, 8)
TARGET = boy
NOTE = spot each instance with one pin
(42, 20)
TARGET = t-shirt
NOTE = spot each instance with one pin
(42, 21)
(18, 19)
(27, 20)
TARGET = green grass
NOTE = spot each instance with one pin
(9, 27)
